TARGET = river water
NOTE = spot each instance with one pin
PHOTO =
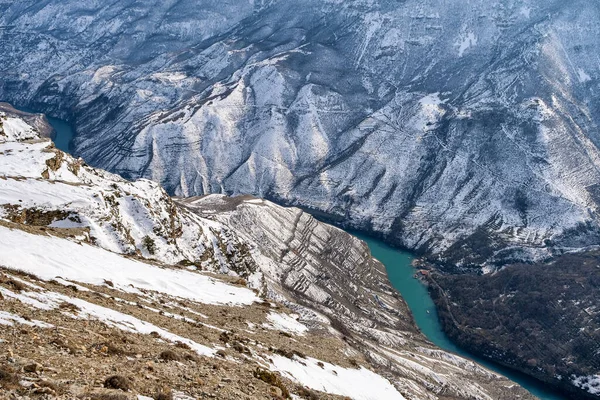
(401, 274)
(64, 134)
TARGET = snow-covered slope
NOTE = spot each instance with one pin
(79, 244)
(44, 186)
(30, 253)
(313, 267)
(468, 130)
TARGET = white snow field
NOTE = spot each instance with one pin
(50, 257)
(358, 384)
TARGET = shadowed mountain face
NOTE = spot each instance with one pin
(467, 130)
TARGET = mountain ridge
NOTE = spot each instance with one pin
(431, 124)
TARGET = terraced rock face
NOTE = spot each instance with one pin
(230, 298)
(467, 130)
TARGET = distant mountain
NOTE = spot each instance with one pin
(467, 130)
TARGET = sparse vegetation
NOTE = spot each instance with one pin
(69, 307)
(289, 353)
(9, 379)
(163, 394)
(169, 355)
(47, 387)
(117, 382)
(222, 353)
(12, 284)
(529, 316)
(240, 348)
(272, 379)
(106, 396)
(149, 244)
(64, 345)
(190, 357)
(308, 394)
(109, 349)
(32, 368)
(241, 282)
(182, 345)
(224, 337)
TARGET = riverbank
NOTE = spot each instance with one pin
(540, 319)
(402, 276)
(63, 134)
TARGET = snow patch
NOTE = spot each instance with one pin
(131, 324)
(525, 11)
(104, 73)
(429, 113)
(169, 77)
(358, 384)
(9, 319)
(286, 323)
(16, 129)
(583, 76)
(465, 41)
(590, 383)
(50, 257)
(50, 300)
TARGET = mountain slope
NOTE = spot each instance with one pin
(118, 277)
(541, 319)
(466, 130)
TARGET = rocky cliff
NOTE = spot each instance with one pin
(466, 130)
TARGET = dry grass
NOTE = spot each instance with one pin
(272, 379)
(169, 355)
(69, 307)
(163, 394)
(9, 379)
(12, 284)
(106, 396)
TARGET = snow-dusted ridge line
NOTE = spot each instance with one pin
(108, 211)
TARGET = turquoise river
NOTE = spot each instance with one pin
(401, 274)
